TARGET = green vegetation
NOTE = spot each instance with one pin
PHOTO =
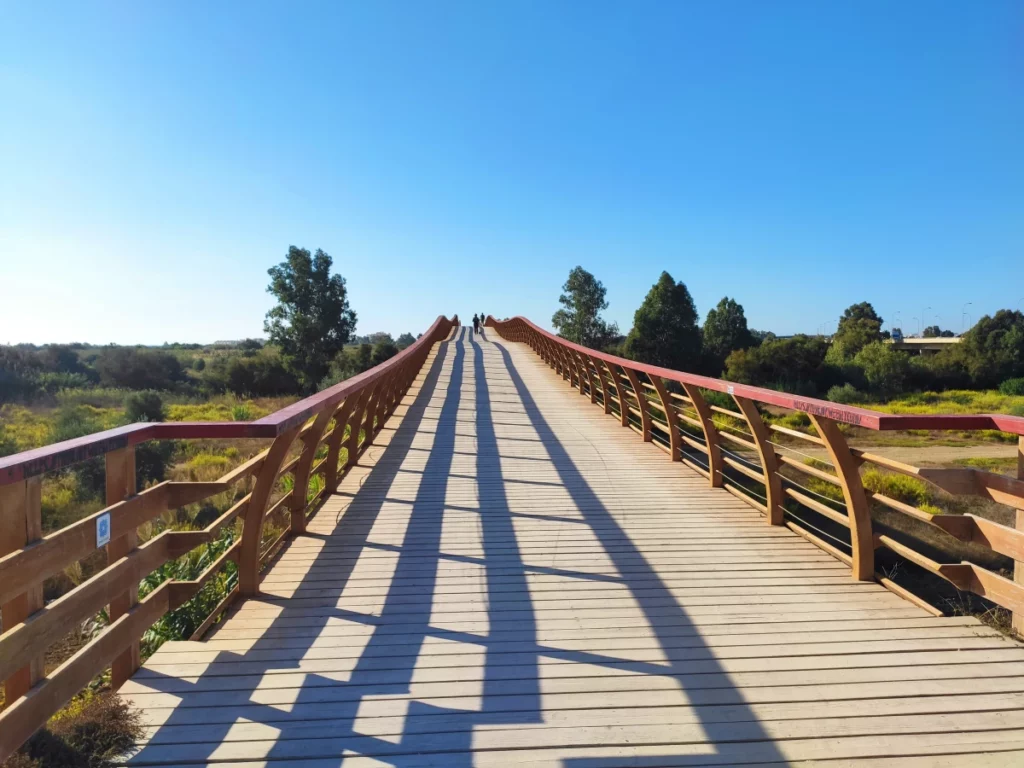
(725, 330)
(665, 331)
(92, 732)
(579, 320)
(312, 321)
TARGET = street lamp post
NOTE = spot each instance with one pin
(963, 314)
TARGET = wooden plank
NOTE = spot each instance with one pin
(529, 582)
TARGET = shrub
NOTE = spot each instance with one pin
(1012, 387)
(134, 368)
(144, 406)
(241, 412)
(847, 394)
(909, 490)
(885, 370)
(92, 732)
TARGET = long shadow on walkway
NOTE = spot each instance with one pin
(652, 595)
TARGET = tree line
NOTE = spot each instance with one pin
(311, 345)
(853, 365)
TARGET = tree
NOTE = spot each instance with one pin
(312, 320)
(405, 340)
(364, 358)
(859, 325)
(134, 368)
(796, 364)
(884, 369)
(993, 350)
(580, 320)
(384, 350)
(144, 406)
(725, 330)
(665, 328)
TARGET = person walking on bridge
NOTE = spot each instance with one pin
(476, 324)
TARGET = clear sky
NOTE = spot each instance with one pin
(157, 157)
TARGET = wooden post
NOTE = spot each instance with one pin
(861, 541)
(591, 378)
(620, 393)
(310, 441)
(707, 423)
(252, 528)
(766, 453)
(334, 442)
(120, 484)
(605, 393)
(21, 524)
(674, 438)
(641, 403)
(1018, 566)
(354, 425)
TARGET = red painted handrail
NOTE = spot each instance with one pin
(861, 417)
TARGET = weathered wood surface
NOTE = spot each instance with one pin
(509, 577)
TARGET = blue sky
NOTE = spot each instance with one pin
(157, 158)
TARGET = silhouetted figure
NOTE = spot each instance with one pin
(476, 324)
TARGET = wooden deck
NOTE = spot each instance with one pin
(511, 578)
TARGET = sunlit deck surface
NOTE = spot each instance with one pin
(511, 578)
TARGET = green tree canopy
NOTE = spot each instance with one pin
(859, 325)
(725, 330)
(796, 364)
(665, 328)
(993, 350)
(405, 340)
(580, 319)
(312, 320)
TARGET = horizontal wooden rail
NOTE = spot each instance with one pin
(748, 462)
(357, 408)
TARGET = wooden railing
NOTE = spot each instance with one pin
(335, 425)
(732, 442)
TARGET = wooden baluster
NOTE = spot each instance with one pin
(591, 377)
(605, 394)
(371, 414)
(641, 403)
(577, 363)
(334, 441)
(354, 425)
(252, 528)
(847, 469)
(766, 454)
(310, 442)
(1018, 566)
(674, 438)
(120, 484)
(555, 360)
(567, 366)
(711, 440)
(618, 373)
(21, 524)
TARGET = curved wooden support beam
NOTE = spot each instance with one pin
(605, 393)
(334, 441)
(641, 403)
(582, 373)
(618, 373)
(707, 424)
(857, 508)
(252, 528)
(766, 454)
(310, 442)
(355, 425)
(674, 438)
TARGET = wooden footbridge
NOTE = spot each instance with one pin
(498, 571)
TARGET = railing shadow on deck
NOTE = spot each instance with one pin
(510, 685)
